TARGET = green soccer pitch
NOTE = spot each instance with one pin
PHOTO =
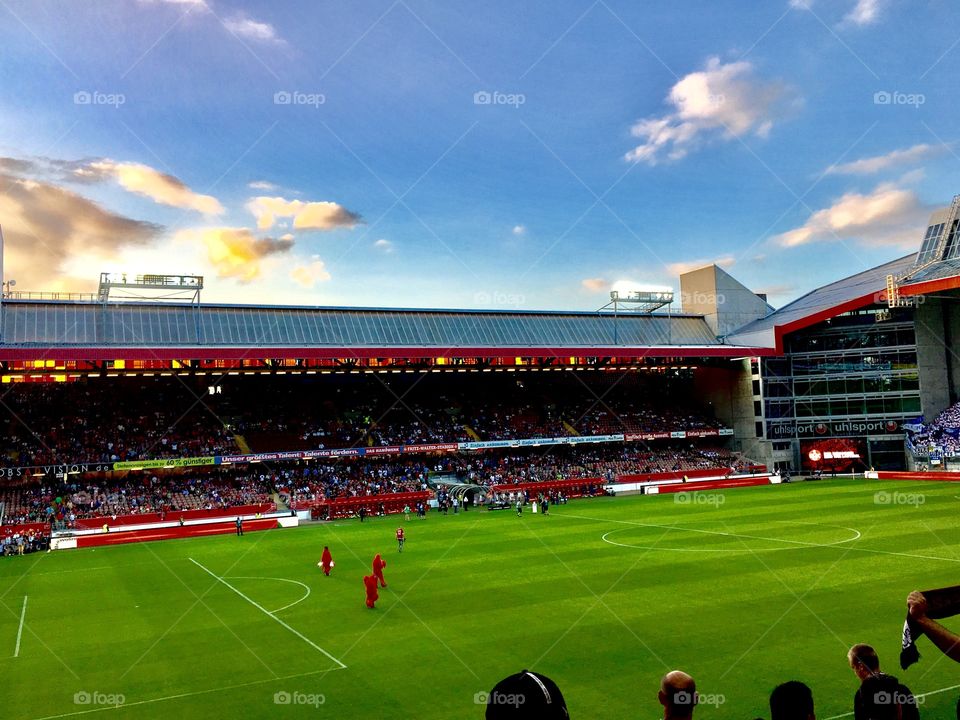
(743, 589)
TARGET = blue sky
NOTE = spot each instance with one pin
(509, 155)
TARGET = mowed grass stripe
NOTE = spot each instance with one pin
(479, 595)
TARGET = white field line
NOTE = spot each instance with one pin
(23, 614)
(286, 580)
(921, 695)
(180, 696)
(269, 614)
(713, 532)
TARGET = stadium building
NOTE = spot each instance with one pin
(826, 382)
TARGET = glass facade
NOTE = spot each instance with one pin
(854, 376)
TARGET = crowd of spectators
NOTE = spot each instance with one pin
(51, 423)
(943, 434)
(344, 477)
(127, 419)
(878, 696)
(167, 493)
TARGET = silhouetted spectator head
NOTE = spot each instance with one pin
(526, 696)
(791, 701)
(678, 695)
(863, 660)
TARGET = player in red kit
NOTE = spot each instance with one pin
(400, 539)
(370, 584)
(378, 565)
(326, 561)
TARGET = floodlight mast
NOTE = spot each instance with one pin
(637, 301)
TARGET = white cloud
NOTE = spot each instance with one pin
(864, 12)
(724, 100)
(45, 226)
(383, 245)
(680, 268)
(261, 185)
(321, 215)
(519, 230)
(310, 274)
(879, 163)
(595, 284)
(889, 215)
(235, 252)
(144, 180)
(250, 29)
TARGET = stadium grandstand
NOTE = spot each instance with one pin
(141, 398)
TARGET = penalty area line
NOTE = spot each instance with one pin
(269, 614)
(23, 614)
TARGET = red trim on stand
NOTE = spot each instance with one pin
(170, 533)
(146, 518)
(941, 476)
(327, 353)
(714, 484)
(925, 287)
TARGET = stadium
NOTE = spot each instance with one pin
(422, 360)
(135, 420)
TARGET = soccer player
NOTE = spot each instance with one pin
(239, 526)
(519, 507)
(406, 512)
(400, 539)
(378, 565)
(326, 561)
(370, 585)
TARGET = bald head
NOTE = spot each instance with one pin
(678, 694)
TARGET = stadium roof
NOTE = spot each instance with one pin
(852, 293)
(944, 275)
(70, 330)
